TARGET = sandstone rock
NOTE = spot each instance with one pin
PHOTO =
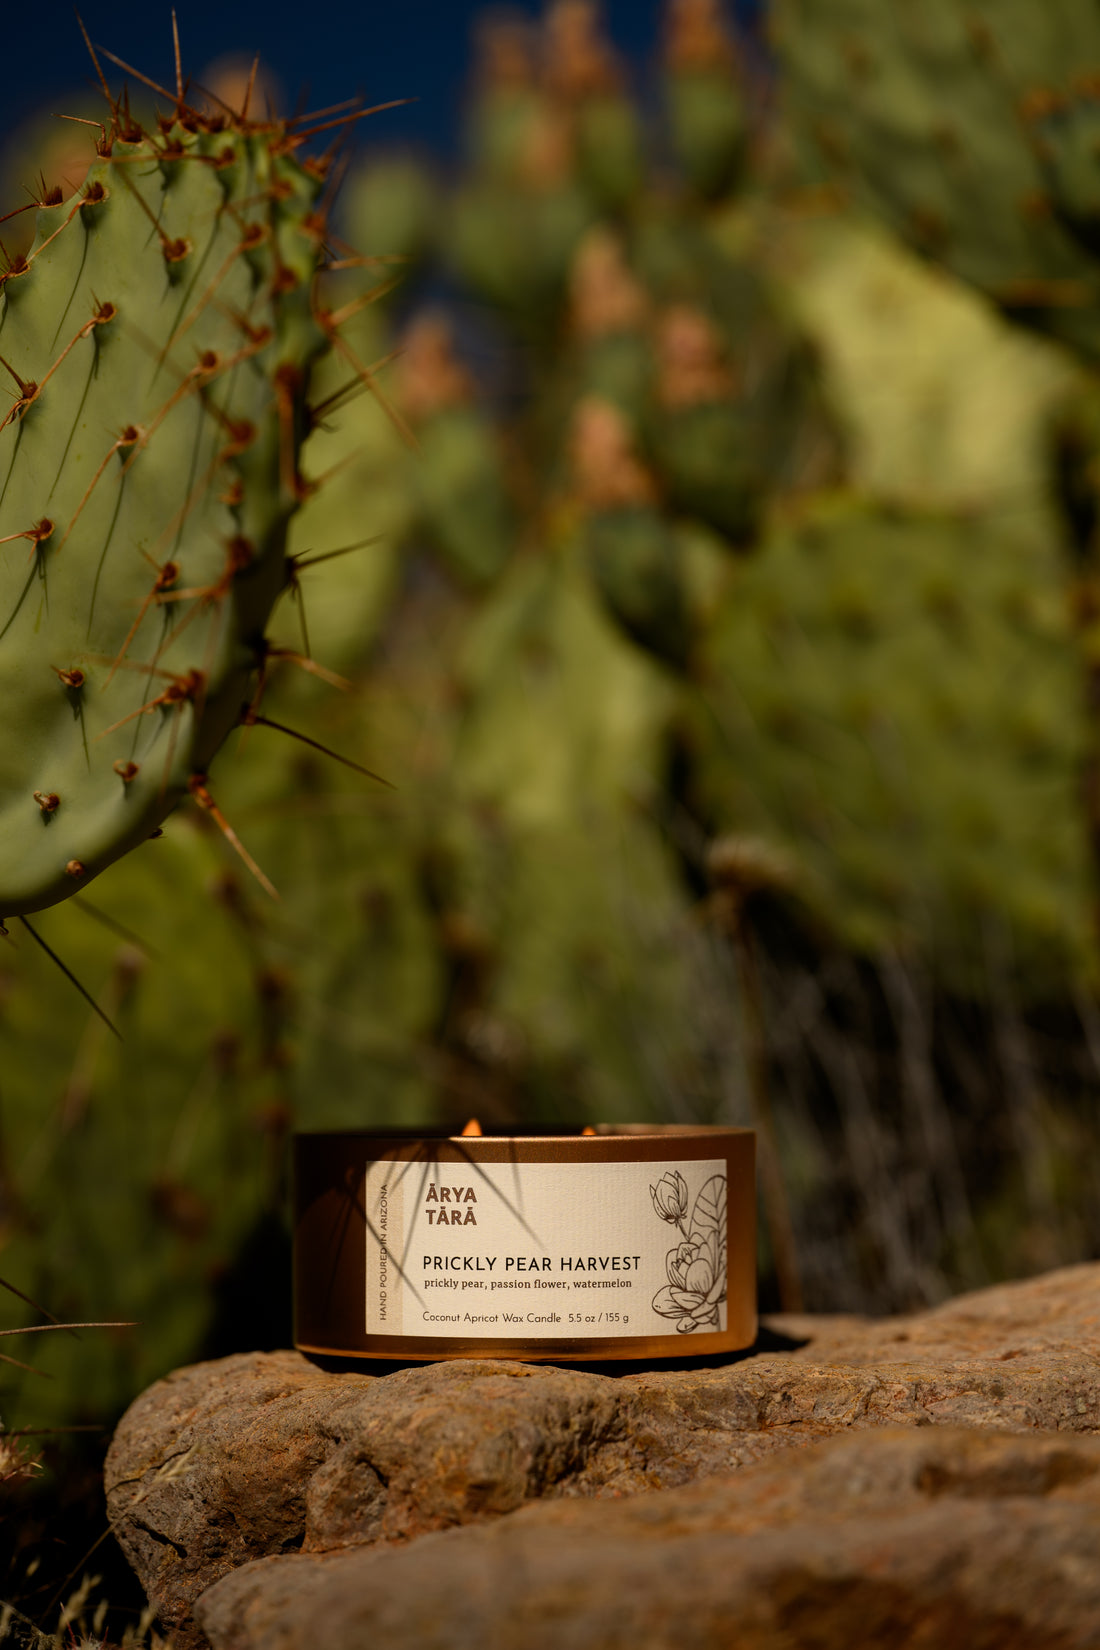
(266, 1454)
(1060, 1310)
(944, 1540)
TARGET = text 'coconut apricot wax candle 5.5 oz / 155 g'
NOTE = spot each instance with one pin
(626, 1241)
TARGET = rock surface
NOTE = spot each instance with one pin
(266, 1454)
(944, 1540)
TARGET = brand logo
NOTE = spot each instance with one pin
(447, 1210)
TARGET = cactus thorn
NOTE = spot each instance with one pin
(192, 380)
(246, 244)
(370, 383)
(181, 690)
(103, 144)
(28, 389)
(166, 577)
(300, 562)
(130, 436)
(96, 65)
(74, 868)
(153, 85)
(38, 534)
(347, 120)
(250, 88)
(17, 211)
(26, 1299)
(307, 664)
(179, 66)
(103, 314)
(198, 788)
(13, 267)
(319, 114)
(240, 553)
(83, 903)
(174, 248)
(251, 718)
(75, 208)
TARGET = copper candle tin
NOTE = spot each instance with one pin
(634, 1241)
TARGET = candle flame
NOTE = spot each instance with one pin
(588, 1129)
(472, 1127)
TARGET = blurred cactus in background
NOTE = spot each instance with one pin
(708, 122)
(705, 575)
(827, 569)
(973, 129)
(999, 184)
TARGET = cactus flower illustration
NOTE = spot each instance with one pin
(696, 1267)
(670, 1197)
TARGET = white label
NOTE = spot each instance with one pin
(539, 1251)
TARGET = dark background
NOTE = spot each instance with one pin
(403, 48)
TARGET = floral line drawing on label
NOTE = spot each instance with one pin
(696, 1266)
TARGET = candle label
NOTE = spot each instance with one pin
(544, 1251)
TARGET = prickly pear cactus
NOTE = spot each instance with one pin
(704, 96)
(972, 128)
(854, 706)
(626, 669)
(156, 343)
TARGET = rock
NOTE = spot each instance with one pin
(945, 1539)
(266, 1454)
(1060, 1310)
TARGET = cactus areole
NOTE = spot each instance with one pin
(156, 345)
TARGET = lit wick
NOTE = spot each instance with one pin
(472, 1127)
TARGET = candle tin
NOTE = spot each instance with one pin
(632, 1241)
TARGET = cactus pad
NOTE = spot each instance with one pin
(156, 344)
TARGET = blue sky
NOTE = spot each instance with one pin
(403, 48)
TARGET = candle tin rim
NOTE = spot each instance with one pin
(534, 1132)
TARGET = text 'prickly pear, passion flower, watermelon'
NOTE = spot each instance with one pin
(157, 341)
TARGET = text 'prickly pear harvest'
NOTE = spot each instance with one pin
(156, 341)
